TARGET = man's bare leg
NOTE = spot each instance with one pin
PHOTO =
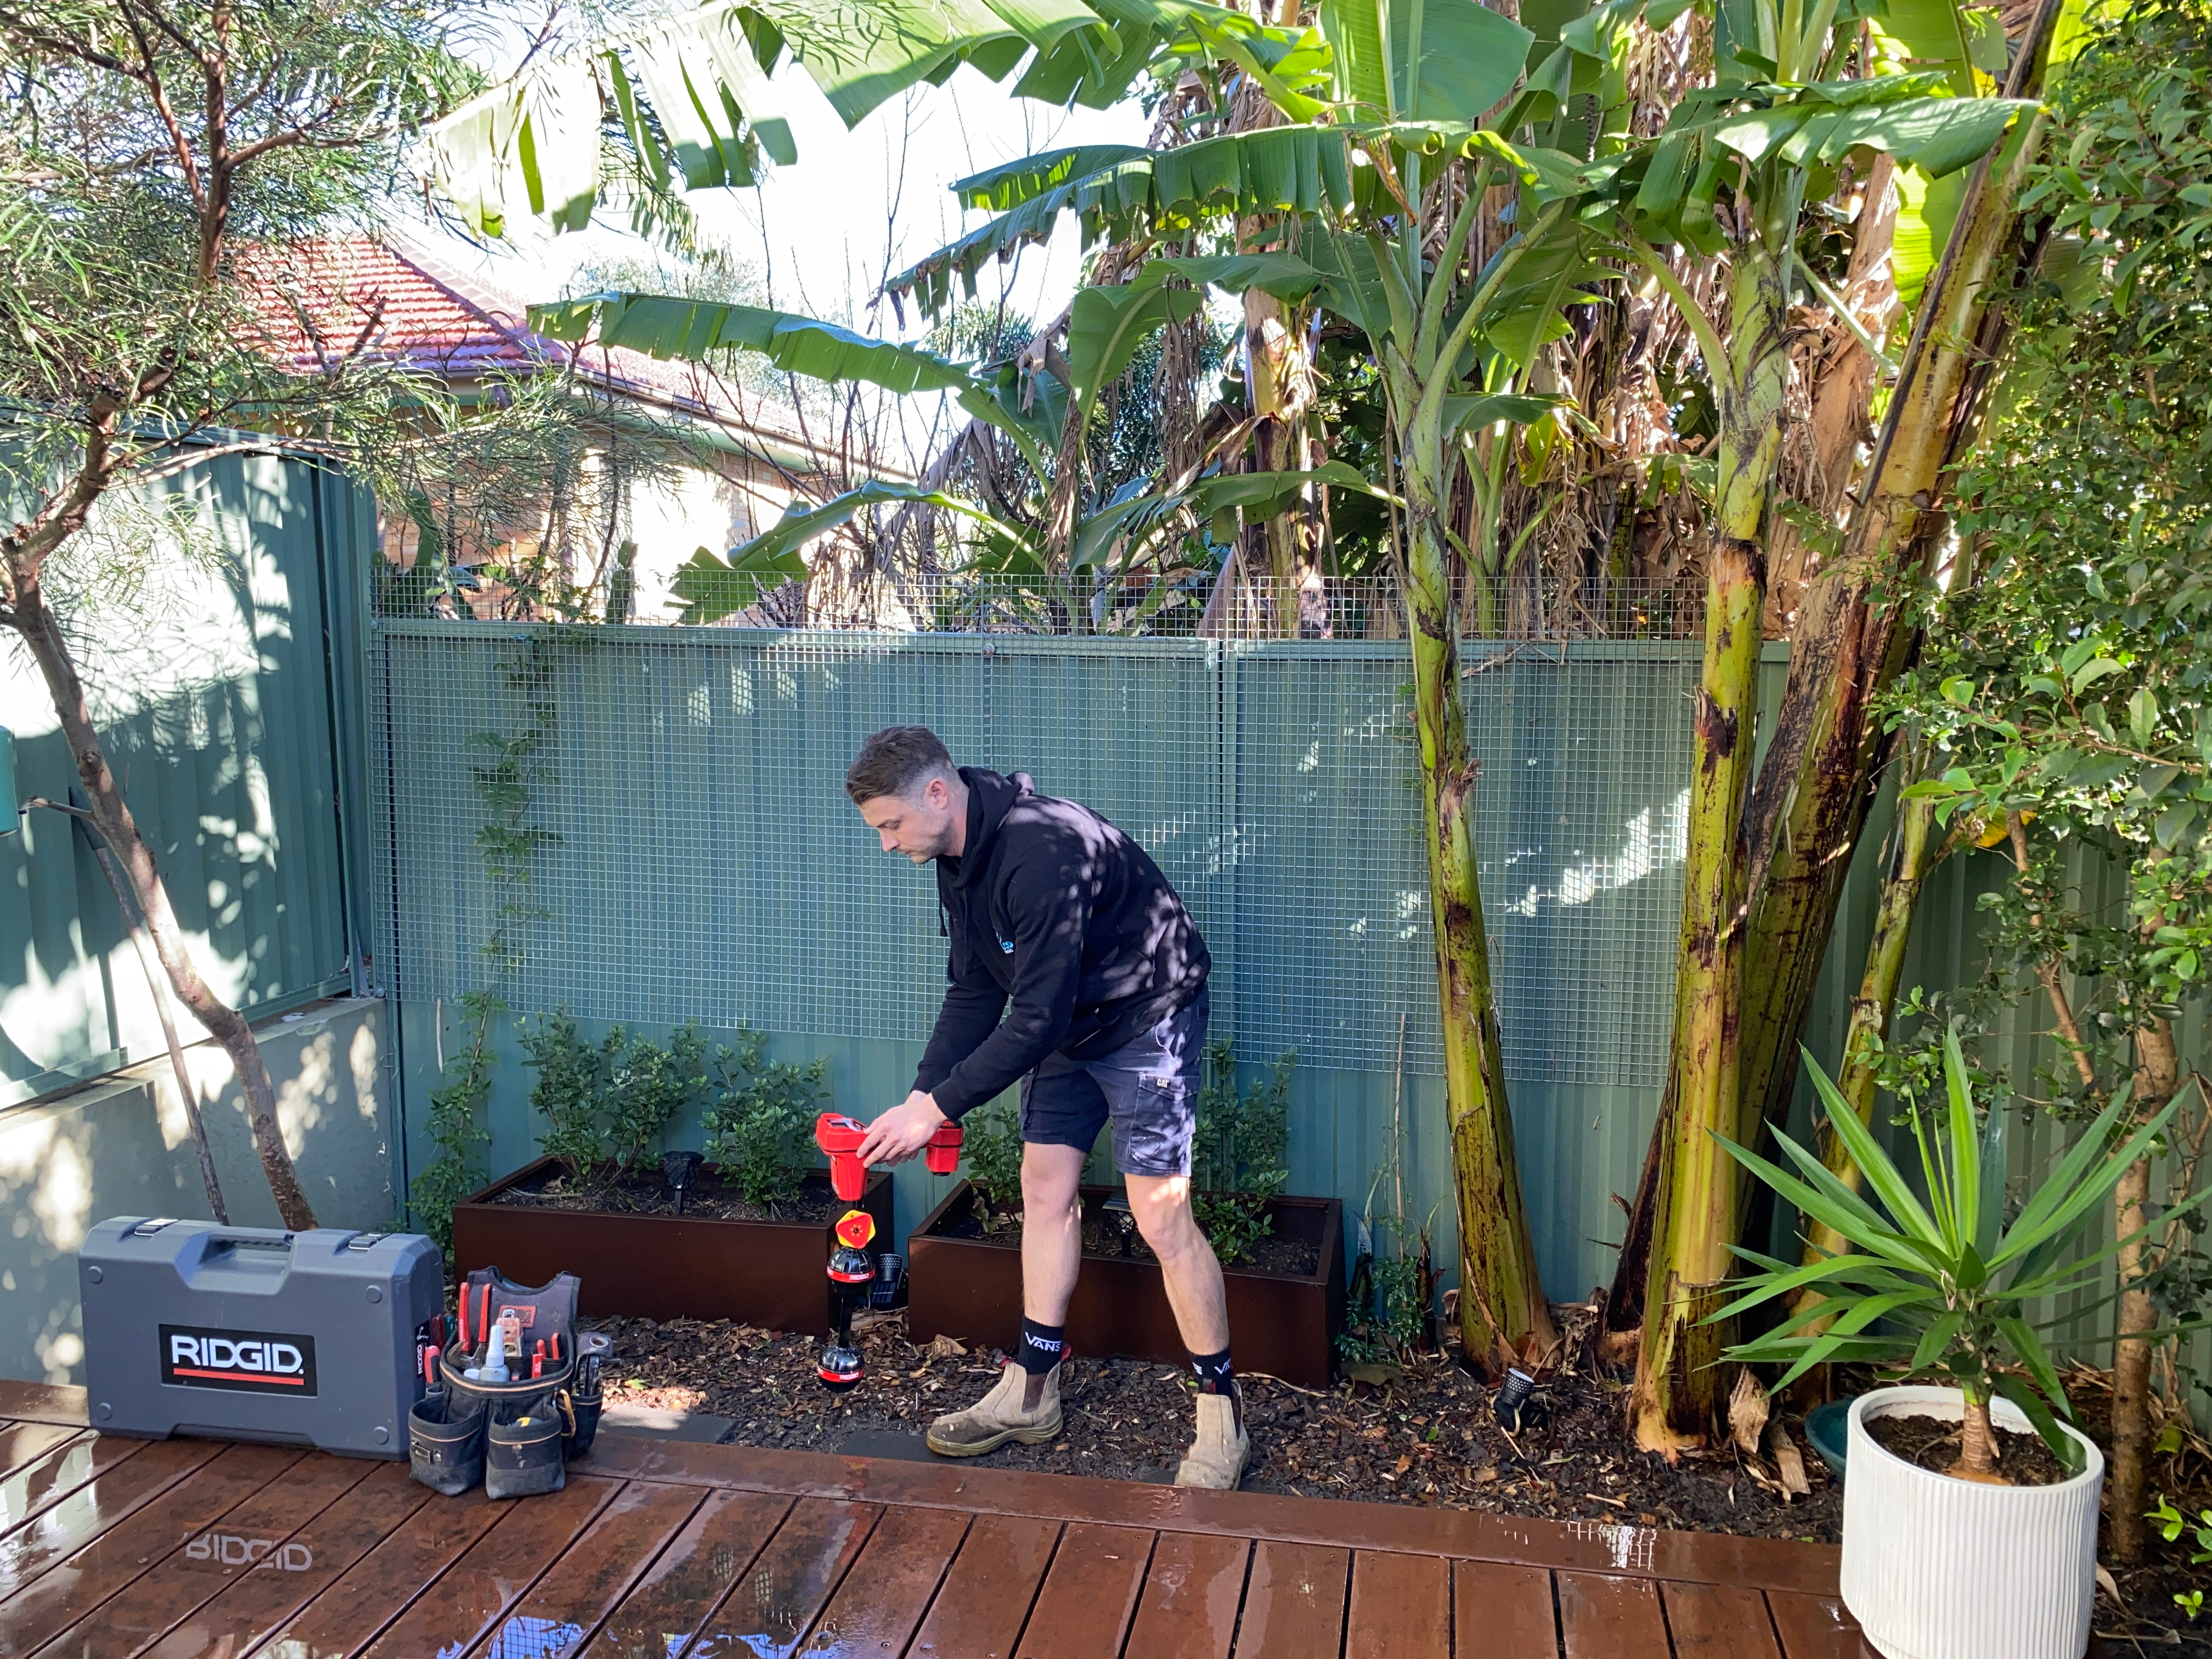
(1193, 1273)
(1052, 1231)
(1024, 1404)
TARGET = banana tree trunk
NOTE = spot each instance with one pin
(1281, 387)
(1504, 1318)
(1695, 1201)
(1817, 784)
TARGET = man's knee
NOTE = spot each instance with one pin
(1049, 1180)
(1161, 1207)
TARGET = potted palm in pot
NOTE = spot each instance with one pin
(1970, 1518)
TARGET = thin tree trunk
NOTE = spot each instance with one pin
(187, 1092)
(2158, 1074)
(1695, 1201)
(1978, 1443)
(1504, 1318)
(111, 816)
(1910, 867)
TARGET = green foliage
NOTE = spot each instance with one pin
(1944, 1287)
(1239, 1154)
(1388, 1306)
(758, 1118)
(610, 1103)
(992, 1147)
(457, 1124)
(2171, 1523)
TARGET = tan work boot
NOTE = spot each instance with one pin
(1020, 1407)
(1216, 1458)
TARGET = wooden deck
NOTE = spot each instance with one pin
(198, 1550)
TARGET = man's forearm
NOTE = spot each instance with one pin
(963, 1026)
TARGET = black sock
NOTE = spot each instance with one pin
(1215, 1374)
(1042, 1346)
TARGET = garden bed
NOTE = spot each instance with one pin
(966, 1283)
(638, 1258)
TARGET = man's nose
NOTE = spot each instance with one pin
(890, 840)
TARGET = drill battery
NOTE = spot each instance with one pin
(245, 1334)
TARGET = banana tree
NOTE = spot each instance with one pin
(1081, 541)
(1730, 175)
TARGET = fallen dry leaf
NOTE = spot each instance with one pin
(1787, 1462)
(1747, 1412)
(945, 1347)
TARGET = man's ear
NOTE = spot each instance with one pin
(936, 794)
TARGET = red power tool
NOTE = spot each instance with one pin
(839, 1138)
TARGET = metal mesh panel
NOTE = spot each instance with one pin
(681, 846)
(1579, 828)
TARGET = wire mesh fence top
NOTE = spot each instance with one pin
(1226, 605)
(650, 824)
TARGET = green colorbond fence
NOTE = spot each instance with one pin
(214, 693)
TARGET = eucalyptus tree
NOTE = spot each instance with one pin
(155, 163)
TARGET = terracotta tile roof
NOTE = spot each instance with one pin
(396, 303)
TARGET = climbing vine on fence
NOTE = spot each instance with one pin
(507, 772)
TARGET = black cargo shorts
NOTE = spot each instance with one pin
(1147, 1088)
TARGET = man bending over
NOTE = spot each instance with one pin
(1075, 969)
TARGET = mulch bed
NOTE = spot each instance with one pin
(1424, 1436)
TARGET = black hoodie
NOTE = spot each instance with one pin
(1051, 905)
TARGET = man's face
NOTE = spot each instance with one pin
(921, 827)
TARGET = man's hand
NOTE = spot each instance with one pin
(902, 1132)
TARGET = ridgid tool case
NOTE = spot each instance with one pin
(251, 1334)
(514, 1397)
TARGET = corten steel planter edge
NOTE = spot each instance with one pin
(1282, 1324)
(765, 1274)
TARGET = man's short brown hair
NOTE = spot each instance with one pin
(897, 761)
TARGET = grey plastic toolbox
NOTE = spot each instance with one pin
(245, 1334)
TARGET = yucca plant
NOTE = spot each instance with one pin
(1944, 1288)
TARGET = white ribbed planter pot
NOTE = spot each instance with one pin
(1937, 1568)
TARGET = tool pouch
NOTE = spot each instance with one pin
(584, 1418)
(524, 1425)
(446, 1442)
(523, 1447)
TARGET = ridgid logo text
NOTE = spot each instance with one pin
(254, 1361)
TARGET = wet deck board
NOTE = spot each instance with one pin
(191, 1550)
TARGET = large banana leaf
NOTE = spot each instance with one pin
(695, 97)
(928, 281)
(864, 53)
(1106, 325)
(1422, 60)
(1012, 183)
(709, 588)
(697, 331)
(530, 147)
(1284, 276)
